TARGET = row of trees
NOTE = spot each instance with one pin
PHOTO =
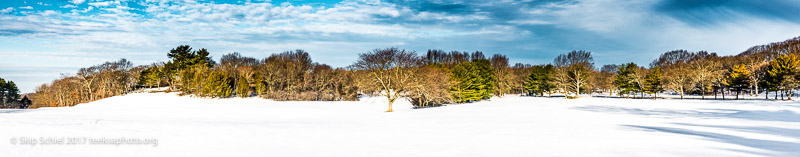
(772, 67)
(290, 75)
(396, 73)
(435, 78)
(88, 84)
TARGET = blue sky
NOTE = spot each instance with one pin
(39, 40)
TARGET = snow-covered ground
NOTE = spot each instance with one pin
(509, 126)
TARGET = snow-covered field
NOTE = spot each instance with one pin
(509, 126)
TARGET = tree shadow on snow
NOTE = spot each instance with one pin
(780, 148)
(9, 111)
(781, 116)
(794, 133)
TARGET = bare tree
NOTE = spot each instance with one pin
(391, 70)
(605, 78)
(88, 77)
(707, 69)
(678, 74)
(577, 66)
(429, 88)
(502, 74)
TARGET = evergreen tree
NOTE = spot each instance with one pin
(783, 70)
(653, 82)
(532, 84)
(150, 76)
(769, 83)
(143, 79)
(625, 81)
(486, 79)
(9, 93)
(260, 85)
(183, 58)
(12, 92)
(243, 87)
(539, 80)
(217, 84)
(466, 81)
(2, 92)
(738, 78)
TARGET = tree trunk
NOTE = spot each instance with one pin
(577, 90)
(703, 93)
(789, 94)
(655, 95)
(756, 90)
(715, 94)
(737, 93)
(391, 101)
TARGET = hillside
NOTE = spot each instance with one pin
(509, 126)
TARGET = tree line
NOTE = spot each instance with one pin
(436, 77)
(88, 84)
(290, 75)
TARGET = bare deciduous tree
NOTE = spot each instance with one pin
(576, 66)
(390, 70)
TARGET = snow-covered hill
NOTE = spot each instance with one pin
(509, 126)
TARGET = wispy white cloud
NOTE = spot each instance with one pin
(76, 2)
(48, 13)
(26, 7)
(103, 3)
(7, 10)
(68, 6)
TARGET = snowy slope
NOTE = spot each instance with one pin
(509, 126)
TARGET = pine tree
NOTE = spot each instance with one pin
(2, 92)
(486, 79)
(9, 93)
(539, 80)
(243, 87)
(532, 84)
(466, 87)
(12, 92)
(217, 84)
(653, 82)
(260, 85)
(738, 78)
(183, 58)
(624, 80)
(150, 76)
(783, 70)
(143, 77)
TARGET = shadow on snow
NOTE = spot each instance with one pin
(781, 148)
(781, 116)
